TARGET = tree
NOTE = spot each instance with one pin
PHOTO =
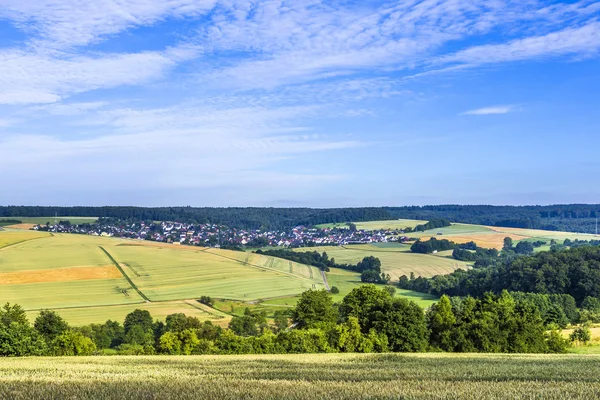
(50, 325)
(524, 247)
(403, 322)
(359, 302)
(244, 325)
(207, 300)
(369, 263)
(14, 313)
(141, 318)
(508, 243)
(71, 343)
(169, 343)
(334, 290)
(314, 308)
(370, 276)
(281, 320)
(581, 334)
(20, 339)
(440, 321)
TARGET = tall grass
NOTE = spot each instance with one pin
(340, 376)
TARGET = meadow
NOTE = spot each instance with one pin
(322, 376)
(92, 279)
(394, 224)
(396, 260)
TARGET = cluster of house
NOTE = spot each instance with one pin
(221, 236)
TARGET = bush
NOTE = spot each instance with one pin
(334, 290)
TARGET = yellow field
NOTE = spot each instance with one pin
(59, 275)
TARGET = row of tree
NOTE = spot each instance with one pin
(367, 320)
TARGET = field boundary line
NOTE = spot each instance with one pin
(133, 285)
(23, 241)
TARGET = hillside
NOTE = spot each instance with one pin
(39, 270)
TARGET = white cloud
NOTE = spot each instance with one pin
(36, 78)
(26, 97)
(490, 110)
(584, 40)
(61, 24)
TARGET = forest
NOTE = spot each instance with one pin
(574, 271)
(572, 218)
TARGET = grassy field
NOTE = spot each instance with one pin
(394, 224)
(84, 316)
(323, 376)
(396, 260)
(91, 279)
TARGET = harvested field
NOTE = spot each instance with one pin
(59, 275)
(24, 227)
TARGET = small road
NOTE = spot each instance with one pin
(325, 280)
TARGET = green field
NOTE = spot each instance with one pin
(396, 260)
(91, 279)
(394, 224)
(322, 376)
(85, 316)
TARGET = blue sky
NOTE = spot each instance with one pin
(299, 103)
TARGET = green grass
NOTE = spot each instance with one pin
(89, 315)
(396, 260)
(345, 281)
(323, 376)
(394, 224)
(172, 273)
(162, 272)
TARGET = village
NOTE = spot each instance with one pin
(213, 235)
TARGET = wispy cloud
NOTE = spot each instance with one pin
(490, 110)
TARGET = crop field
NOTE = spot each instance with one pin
(88, 315)
(89, 278)
(396, 261)
(319, 376)
(393, 224)
(12, 237)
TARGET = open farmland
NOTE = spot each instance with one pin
(396, 260)
(159, 310)
(318, 376)
(91, 279)
(394, 224)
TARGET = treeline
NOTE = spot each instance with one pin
(369, 267)
(575, 272)
(433, 224)
(234, 217)
(431, 245)
(367, 320)
(567, 217)
(573, 217)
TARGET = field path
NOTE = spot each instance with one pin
(325, 280)
(116, 264)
